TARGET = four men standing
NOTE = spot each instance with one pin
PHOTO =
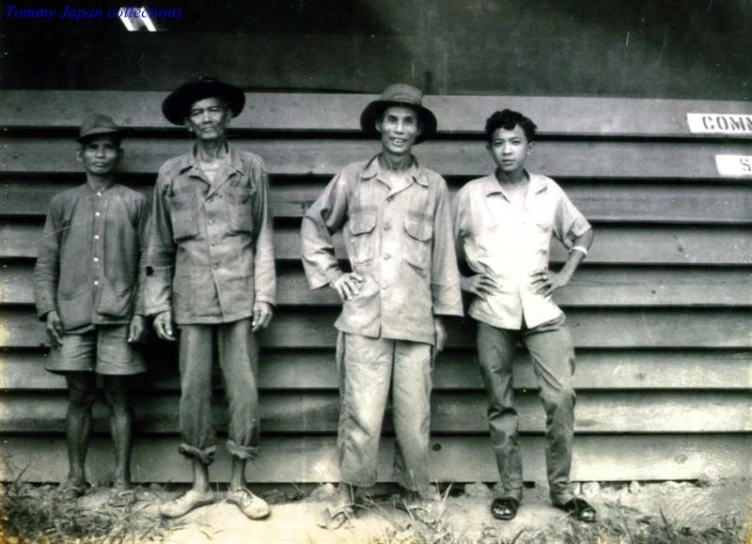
(210, 284)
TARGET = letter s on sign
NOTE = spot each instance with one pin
(746, 164)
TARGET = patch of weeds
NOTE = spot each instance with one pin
(32, 514)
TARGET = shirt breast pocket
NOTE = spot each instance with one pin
(241, 211)
(361, 248)
(418, 241)
(184, 215)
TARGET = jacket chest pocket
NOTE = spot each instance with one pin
(361, 248)
(418, 241)
(184, 215)
(241, 211)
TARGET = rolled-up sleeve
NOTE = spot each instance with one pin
(445, 279)
(569, 223)
(264, 273)
(160, 253)
(323, 218)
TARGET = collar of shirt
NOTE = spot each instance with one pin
(373, 168)
(190, 161)
(492, 186)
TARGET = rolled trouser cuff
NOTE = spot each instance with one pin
(205, 456)
(242, 452)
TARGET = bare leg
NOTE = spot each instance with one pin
(201, 477)
(121, 423)
(237, 474)
(81, 394)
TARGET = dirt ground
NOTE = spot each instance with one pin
(689, 508)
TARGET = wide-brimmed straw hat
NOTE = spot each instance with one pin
(98, 124)
(177, 105)
(399, 94)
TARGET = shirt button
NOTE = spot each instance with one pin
(96, 259)
(387, 256)
(96, 236)
(99, 193)
(387, 227)
(216, 266)
(211, 221)
(97, 214)
(96, 282)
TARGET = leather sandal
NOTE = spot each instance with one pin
(335, 516)
(579, 509)
(70, 491)
(120, 498)
(504, 508)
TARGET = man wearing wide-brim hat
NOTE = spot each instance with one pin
(394, 214)
(211, 272)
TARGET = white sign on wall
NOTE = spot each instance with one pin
(719, 123)
(734, 166)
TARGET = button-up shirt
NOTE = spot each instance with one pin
(91, 256)
(508, 243)
(210, 254)
(399, 239)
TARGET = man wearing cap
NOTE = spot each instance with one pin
(395, 217)
(89, 290)
(211, 272)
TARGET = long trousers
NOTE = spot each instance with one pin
(370, 369)
(551, 349)
(235, 349)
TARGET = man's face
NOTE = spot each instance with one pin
(208, 119)
(100, 155)
(398, 127)
(509, 148)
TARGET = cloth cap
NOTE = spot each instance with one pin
(97, 124)
(399, 94)
(177, 105)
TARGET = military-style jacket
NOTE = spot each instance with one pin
(399, 240)
(210, 253)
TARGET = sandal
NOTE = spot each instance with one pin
(70, 491)
(579, 509)
(120, 498)
(335, 516)
(504, 508)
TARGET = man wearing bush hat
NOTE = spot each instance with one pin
(394, 214)
(211, 272)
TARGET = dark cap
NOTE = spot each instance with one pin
(98, 124)
(399, 95)
(177, 105)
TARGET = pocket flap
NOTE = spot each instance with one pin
(419, 229)
(362, 224)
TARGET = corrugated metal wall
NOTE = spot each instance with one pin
(660, 311)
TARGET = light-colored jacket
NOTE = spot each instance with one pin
(399, 241)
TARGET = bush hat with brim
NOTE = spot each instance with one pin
(177, 105)
(399, 95)
(98, 124)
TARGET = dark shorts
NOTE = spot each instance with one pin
(105, 351)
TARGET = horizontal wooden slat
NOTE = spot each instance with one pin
(602, 160)
(600, 328)
(591, 286)
(455, 370)
(453, 459)
(597, 200)
(341, 112)
(465, 413)
(720, 245)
